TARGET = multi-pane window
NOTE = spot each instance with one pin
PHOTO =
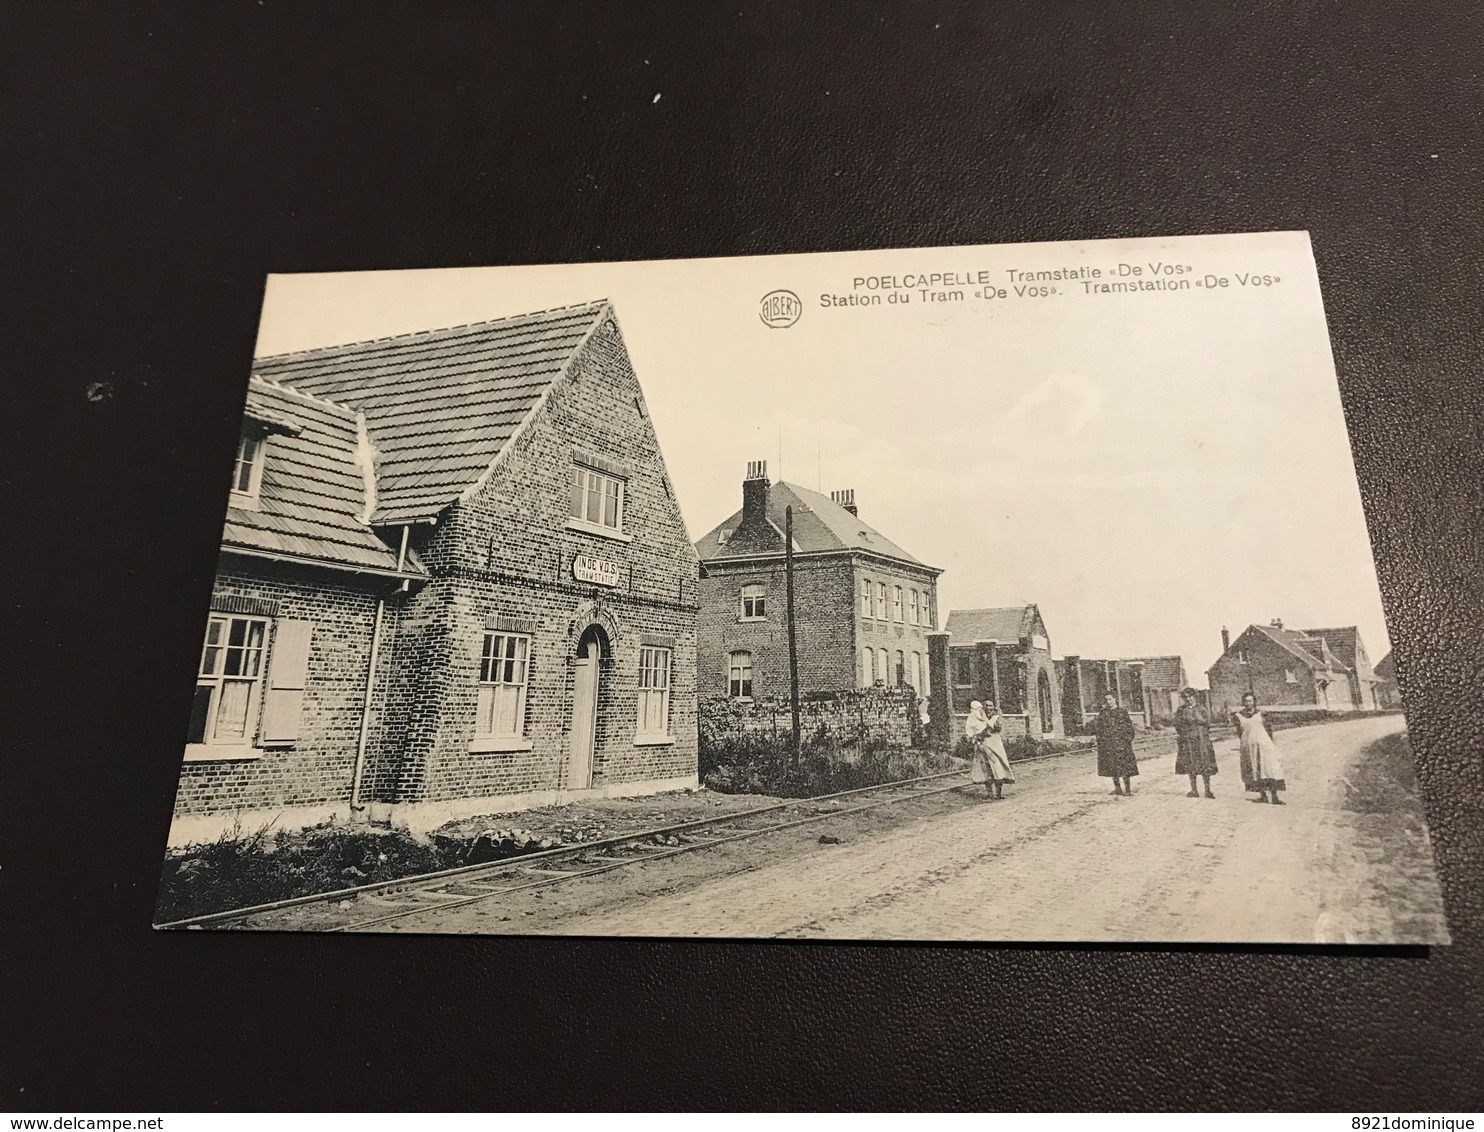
(880, 601)
(597, 498)
(865, 668)
(914, 607)
(899, 673)
(739, 676)
(504, 673)
(227, 684)
(927, 609)
(915, 674)
(754, 603)
(896, 603)
(875, 666)
(865, 597)
(247, 472)
(654, 691)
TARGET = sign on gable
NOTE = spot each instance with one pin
(597, 571)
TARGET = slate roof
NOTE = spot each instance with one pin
(820, 524)
(1163, 671)
(1006, 623)
(441, 404)
(313, 491)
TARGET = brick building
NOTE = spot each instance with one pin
(454, 579)
(863, 606)
(1147, 686)
(1001, 655)
(1292, 668)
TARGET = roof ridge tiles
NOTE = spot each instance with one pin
(411, 334)
(260, 380)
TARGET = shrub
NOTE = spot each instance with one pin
(240, 869)
(762, 766)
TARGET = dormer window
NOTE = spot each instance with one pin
(247, 472)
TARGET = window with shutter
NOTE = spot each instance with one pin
(228, 689)
(283, 702)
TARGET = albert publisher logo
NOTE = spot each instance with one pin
(780, 309)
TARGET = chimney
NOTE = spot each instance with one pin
(845, 497)
(755, 494)
(1277, 623)
(1226, 641)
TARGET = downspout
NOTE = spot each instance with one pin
(355, 786)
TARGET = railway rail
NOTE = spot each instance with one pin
(410, 896)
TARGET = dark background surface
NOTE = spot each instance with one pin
(159, 160)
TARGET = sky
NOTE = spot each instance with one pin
(1147, 467)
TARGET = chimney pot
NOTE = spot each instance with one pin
(1277, 622)
(845, 497)
(755, 489)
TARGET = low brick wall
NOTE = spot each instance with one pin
(877, 716)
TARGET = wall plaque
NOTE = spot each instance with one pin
(598, 571)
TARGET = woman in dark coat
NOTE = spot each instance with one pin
(1115, 731)
(1196, 755)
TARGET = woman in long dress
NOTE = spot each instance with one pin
(1261, 770)
(990, 765)
(1195, 754)
(1114, 728)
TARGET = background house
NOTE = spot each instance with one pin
(1345, 643)
(1001, 655)
(863, 606)
(1284, 668)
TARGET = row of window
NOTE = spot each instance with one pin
(882, 603)
(504, 679)
(882, 666)
(232, 668)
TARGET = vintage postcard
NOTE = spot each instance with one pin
(981, 593)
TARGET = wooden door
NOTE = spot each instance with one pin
(584, 716)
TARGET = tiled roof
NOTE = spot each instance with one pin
(440, 405)
(1007, 623)
(1341, 641)
(313, 491)
(1163, 671)
(1308, 649)
(820, 524)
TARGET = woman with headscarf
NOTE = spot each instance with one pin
(1261, 770)
(1195, 754)
(990, 765)
(1114, 728)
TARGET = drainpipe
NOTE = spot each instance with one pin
(355, 786)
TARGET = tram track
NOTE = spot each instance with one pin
(410, 896)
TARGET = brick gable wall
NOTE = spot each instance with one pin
(1269, 663)
(507, 552)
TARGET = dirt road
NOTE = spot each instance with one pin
(1346, 860)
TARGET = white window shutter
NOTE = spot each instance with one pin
(283, 698)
